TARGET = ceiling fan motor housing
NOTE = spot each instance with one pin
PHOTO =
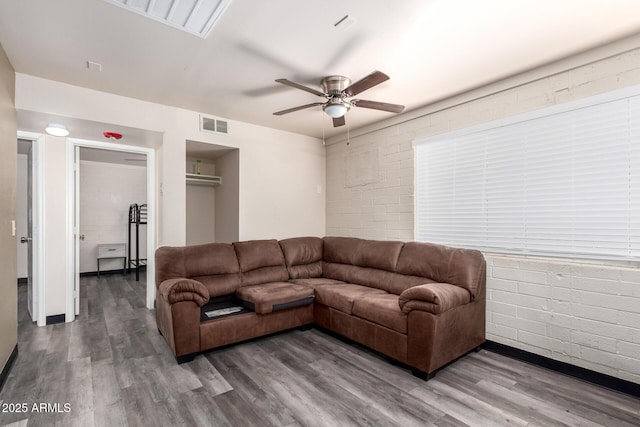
(334, 85)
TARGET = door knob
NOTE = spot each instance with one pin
(25, 239)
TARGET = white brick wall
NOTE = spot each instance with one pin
(106, 191)
(593, 322)
(580, 313)
(382, 209)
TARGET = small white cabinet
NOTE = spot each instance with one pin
(113, 251)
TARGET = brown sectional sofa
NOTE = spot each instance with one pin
(418, 303)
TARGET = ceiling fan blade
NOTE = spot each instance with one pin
(301, 107)
(299, 86)
(365, 83)
(338, 121)
(375, 105)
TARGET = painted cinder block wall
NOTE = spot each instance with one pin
(583, 313)
(106, 192)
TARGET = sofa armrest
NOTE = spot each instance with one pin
(182, 289)
(434, 298)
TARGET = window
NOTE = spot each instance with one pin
(560, 181)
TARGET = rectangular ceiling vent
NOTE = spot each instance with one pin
(196, 17)
(211, 124)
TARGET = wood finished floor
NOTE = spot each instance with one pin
(114, 369)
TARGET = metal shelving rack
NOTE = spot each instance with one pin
(137, 217)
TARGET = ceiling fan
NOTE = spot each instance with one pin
(338, 91)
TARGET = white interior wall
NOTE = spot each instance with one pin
(277, 176)
(227, 198)
(21, 214)
(8, 173)
(587, 314)
(201, 214)
(106, 192)
(55, 225)
(201, 206)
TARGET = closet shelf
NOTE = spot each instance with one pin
(210, 180)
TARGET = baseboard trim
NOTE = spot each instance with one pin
(102, 272)
(56, 318)
(7, 368)
(107, 272)
(594, 377)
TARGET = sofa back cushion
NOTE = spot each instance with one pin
(378, 254)
(386, 280)
(261, 261)
(461, 267)
(213, 264)
(169, 263)
(210, 259)
(303, 257)
(364, 262)
(341, 250)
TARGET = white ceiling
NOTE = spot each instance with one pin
(431, 49)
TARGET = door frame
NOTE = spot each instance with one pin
(73, 269)
(38, 207)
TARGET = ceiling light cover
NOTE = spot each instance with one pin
(57, 129)
(336, 110)
(196, 17)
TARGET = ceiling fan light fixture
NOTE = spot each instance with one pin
(339, 93)
(336, 109)
(57, 129)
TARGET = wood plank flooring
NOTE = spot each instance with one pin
(113, 369)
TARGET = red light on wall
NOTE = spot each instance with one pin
(112, 135)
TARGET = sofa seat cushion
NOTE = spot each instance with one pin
(382, 309)
(342, 297)
(314, 282)
(274, 296)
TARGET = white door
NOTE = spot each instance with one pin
(31, 301)
(24, 222)
(76, 229)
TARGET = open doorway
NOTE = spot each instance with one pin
(105, 180)
(112, 183)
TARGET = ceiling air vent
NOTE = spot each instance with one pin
(211, 124)
(196, 17)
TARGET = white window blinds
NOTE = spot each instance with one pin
(562, 181)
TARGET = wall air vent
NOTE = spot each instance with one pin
(211, 124)
(221, 126)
